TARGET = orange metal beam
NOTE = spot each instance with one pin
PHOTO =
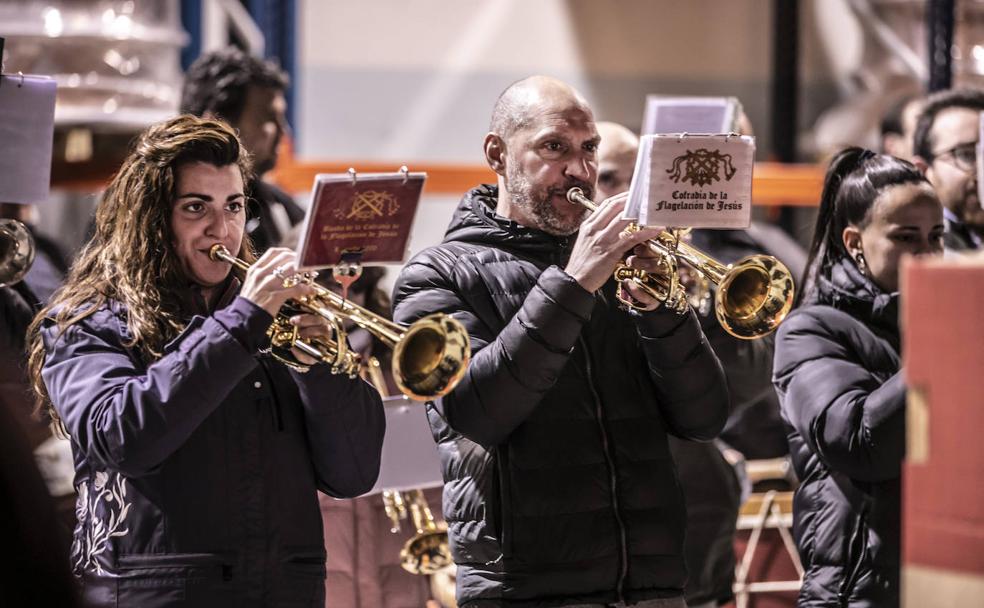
(773, 183)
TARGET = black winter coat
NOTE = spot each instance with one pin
(842, 395)
(559, 483)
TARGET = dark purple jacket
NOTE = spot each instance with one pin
(196, 474)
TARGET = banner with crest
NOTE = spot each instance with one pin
(699, 181)
(359, 218)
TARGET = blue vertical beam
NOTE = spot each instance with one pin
(277, 20)
(288, 54)
(191, 20)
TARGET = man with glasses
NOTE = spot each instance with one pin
(945, 148)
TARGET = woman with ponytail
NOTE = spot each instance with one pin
(837, 373)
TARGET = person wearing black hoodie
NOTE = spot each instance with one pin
(837, 372)
(559, 485)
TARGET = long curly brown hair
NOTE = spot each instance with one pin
(131, 258)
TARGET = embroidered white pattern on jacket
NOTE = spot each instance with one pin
(100, 512)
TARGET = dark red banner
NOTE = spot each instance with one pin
(369, 215)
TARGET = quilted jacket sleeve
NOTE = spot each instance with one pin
(345, 425)
(854, 421)
(689, 380)
(128, 418)
(509, 371)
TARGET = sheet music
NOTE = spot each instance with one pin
(666, 114)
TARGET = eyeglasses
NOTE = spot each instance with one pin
(964, 156)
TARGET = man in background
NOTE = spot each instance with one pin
(945, 148)
(898, 126)
(248, 93)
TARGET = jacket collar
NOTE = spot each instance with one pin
(193, 303)
(475, 221)
(847, 289)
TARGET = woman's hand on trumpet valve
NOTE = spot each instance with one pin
(602, 242)
(268, 282)
(310, 326)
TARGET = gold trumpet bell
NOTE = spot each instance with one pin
(431, 357)
(16, 251)
(754, 297)
(427, 552)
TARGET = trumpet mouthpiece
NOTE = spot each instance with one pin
(217, 252)
(574, 193)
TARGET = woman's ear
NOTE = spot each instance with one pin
(852, 241)
(495, 153)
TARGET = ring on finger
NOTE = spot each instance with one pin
(281, 272)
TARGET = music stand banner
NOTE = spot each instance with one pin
(700, 181)
(365, 218)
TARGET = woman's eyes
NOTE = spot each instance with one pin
(198, 207)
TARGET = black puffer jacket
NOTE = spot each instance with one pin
(842, 396)
(559, 483)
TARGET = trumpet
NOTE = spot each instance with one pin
(429, 357)
(427, 551)
(16, 251)
(754, 295)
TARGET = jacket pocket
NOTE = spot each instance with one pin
(307, 561)
(162, 579)
(168, 568)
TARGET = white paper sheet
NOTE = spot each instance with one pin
(27, 123)
(665, 114)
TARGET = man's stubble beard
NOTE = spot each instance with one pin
(539, 207)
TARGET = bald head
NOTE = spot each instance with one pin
(524, 100)
(542, 142)
(616, 158)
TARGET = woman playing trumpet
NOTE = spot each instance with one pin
(197, 457)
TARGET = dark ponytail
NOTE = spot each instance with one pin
(854, 180)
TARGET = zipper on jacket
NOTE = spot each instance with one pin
(623, 570)
(844, 595)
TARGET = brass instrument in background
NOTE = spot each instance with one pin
(429, 357)
(427, 551)
(754, 295)
(16, 251)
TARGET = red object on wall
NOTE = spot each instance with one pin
(943, 477)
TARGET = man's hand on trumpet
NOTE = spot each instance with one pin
(602, 243)
(643, 258)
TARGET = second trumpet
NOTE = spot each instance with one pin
(754, 295)
(429, 357)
